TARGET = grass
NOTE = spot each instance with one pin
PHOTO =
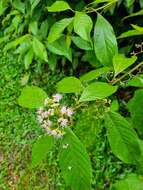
(19, 130)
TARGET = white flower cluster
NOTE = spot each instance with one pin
(54, 117)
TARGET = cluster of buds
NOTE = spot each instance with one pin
(139, 49)
(55, 117)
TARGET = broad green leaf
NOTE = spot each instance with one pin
(59, 47)
(58, 6)
(136, 81)
(131, 182)
(83, 25)
(28, 58)
(135, 107)
(97, 90)
(94, 74)
(130, 33)
(122, 138)
(32, 97)
(105, 43)
(40, 149)
(34, 3)
(39, 49)
(69, 85)
(57, 29)
(120, 62)
(82, 44)
(74, 163)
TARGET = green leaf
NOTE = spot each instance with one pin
(82, 44)
(97, 90)
(120, 62)
(28, 58)
(39, 49)
(15, 43)
(135, 107)
(74, 163)
(94, 74)
(19, 6)
(59, 47)
(141, 3)
(32, 97)
(137, 28)
(83, 25)
(58, 6)
(122, 138)
(134, 14)
(105, 43)
(34, 3)
(40, 149)
(114, 105)
(130, 3)
(57, 29)
(131, 182)
(136, 81)
(69, 85)
(33, 27)
(130, 33)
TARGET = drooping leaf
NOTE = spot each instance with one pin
(39, 49)
(40, 149)
(105, 43)
(28, 58)
(57, 29)
(74, 163)
(59, 47)
(58, 6)
(120, 62)
(69, 85)
(83, 25)
(97, 90)
(122, 138)
(94, 74)
(32, 97)
(131, 182)
(135, 107)
(82, 44)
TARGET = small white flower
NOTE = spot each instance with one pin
(40, 110)
(70, 112)
(49, 123)
(63, 110)
(40, 119)
(57, 97)
(63, 122)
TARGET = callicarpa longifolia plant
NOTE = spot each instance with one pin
(98, 47)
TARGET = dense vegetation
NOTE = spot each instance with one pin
(71, 95)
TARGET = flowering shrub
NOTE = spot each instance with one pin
(54, 117)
